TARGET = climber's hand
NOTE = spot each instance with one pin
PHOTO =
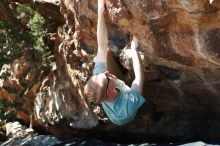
(134, 43)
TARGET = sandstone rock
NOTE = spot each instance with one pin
(215, 3)
(179, 41)
(18, 135)
(55, 2)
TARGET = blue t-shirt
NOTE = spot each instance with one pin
(124, 108)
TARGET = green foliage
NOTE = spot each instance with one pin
(3, 104)
(7, 110)
(10, 90)
(26, 10)
(35, 23)
(4, 75)
(15, 40)
(30, 36)
(11, 42)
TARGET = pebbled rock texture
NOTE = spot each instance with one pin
(179, 41)
(179, 46)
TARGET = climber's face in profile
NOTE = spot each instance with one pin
(106, 86)
(110, 90)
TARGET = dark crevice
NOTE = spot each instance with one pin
(170, 73)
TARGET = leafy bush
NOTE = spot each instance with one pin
(29, 37)
(15, 40)
(11, 42)
(35, 23)
(7, 111)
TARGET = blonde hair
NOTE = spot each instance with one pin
(91, 90)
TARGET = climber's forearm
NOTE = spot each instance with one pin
(137, 66)
(138, 71)
(138, 82)
(102, 38)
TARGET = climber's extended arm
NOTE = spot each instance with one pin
(102, 37)
(138, 71)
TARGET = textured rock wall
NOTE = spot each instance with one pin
(51, 97)
(179, 41)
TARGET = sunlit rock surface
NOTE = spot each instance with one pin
(22, 136)
(179, 46)
(179, 41)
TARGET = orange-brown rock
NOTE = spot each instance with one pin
(179, 41)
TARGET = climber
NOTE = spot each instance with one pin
(119, 101)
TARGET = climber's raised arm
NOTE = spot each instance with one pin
(138, 71)
(102, 37)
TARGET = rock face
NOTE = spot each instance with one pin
(21, 135)
(179, 41)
